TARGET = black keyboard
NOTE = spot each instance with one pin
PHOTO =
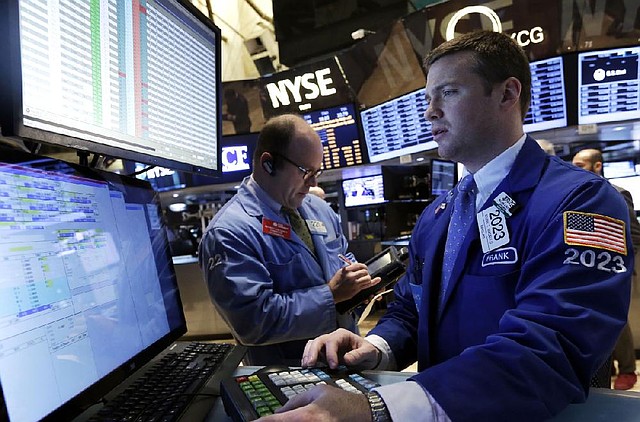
(167, 387)
(249, 397)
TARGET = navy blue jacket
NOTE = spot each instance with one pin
(523, 329)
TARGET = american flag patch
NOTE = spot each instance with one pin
(594, 230)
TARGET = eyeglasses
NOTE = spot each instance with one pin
(307, 174)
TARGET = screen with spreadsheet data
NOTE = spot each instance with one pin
(548, 108)
(137, 80)
(397, 127)
(87, 286)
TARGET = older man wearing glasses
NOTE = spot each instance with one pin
(273, 257)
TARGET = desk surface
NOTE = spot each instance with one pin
(602, 405)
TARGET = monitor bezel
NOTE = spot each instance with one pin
(11, 115)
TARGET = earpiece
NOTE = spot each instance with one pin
(267, 165)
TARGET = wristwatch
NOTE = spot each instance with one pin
(379, 411)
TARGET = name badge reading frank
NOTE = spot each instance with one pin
(274, 228)
(492, 225)
(500, 256)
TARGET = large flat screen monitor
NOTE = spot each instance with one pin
(397, 127)
(364, 190)
(340, 135)
(88, 292)
(140, 83)
(609, 85)
(548, 108)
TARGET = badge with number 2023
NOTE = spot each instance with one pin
(492, 224)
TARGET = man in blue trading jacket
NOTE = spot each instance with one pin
(274, 290)
(540, 287)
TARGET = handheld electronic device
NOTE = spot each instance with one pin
(388, 265)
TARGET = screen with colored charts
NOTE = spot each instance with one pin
(609, 85)
(134, 80)
(87, 287)
(397, 127)
(364, 190)
(340, 135)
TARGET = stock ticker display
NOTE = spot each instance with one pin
(397, 127)
(338, 130)
(548, 108)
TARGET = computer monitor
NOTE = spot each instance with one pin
(142, 85)
(397, 127)
(609, 85)
(613, 169)
(548, 108)
(88, 292)
(340, 135)
(364, 190)
(443, 176)
(631, 184)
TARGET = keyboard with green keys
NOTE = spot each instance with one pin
(250, 397)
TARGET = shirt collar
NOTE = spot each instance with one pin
(492, 173)
(257, 190)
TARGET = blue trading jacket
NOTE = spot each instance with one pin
(271, 291)
(522, 330)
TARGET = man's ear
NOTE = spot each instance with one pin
(512, 88)
(597, 167)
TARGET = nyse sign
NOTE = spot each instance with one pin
(305, 87)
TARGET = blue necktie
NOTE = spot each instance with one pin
(462, 217)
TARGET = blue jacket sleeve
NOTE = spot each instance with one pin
(262, 299)
(567, 303)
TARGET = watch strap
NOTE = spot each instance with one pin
(379, 411)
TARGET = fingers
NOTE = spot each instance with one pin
(297, 401)
(329, 348)
(310, 354)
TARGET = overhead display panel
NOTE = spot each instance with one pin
(609, 85)
(340, 135)
(397, 127)
(548, 108)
